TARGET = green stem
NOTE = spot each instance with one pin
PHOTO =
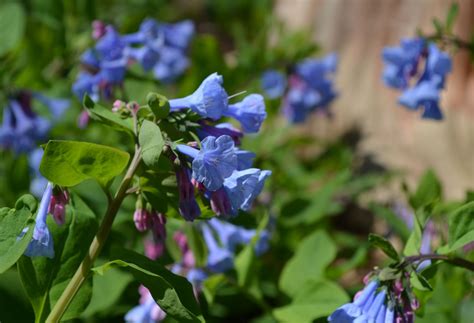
(84, 268)
(456, 261)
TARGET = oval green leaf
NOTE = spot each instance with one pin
(68, 163)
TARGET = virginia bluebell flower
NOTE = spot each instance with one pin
(218, 130)
(244, 158)
(231, 236)
(220, 259)
(22, 128)
(42, 241)
(420, 88)
(250, 112)
(188, 207)
(273, 83)
(210, 100)
(164, 47)
(243, 186)
(214, 162)
(367, 307)
(148, 311)
(57, 206)
(310, 88)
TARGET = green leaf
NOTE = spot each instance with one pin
(68, 163)
(382, 243)
(412, 247)
(311, 258)
(461, 227)
(322, 202)
(196, 244)
(438, 26)
(107, 117)
(211, 285)
(418, 281)
(428, 191)
(12, 223)
(106, 292)
(152, 143)
(44, 279)
(12, 26)
(173, 293)
(245, 264)
(451, 17)
(158, 104)
(392, 219)
(315, 300)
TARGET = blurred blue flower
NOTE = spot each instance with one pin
(188, 207)
(22, 128)
(420, 89)
(214, 162)
(402, 62)
(250, 112)
(273, 83)
(210, 100)
(148, 311)
(38, 182)
(164, 47)
(219, 259)
(310, 88)
(231, 236)
(42, 241)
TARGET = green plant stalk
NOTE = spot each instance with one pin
(84, 268)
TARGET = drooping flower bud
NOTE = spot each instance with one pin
(57, 206)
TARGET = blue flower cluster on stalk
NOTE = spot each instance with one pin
(419, 69)
(219, 169)
(158, 47)
(385, 302)
(307, 88)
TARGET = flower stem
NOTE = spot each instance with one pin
(83, 270)
(456, 261)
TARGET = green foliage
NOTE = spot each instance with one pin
(68, 163)
(316, 299)
(152, 143)
(172, 292)
(44, 279)
(311, 258)
(12, 26)
(384, 245)
(428, 191)
(461, 228)
(12, 222)
(107, 117)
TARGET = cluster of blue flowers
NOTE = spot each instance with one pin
(392, 303)
(157, 47)
(308, 89)
(419, 69)
(219, 169)
(368, 306)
